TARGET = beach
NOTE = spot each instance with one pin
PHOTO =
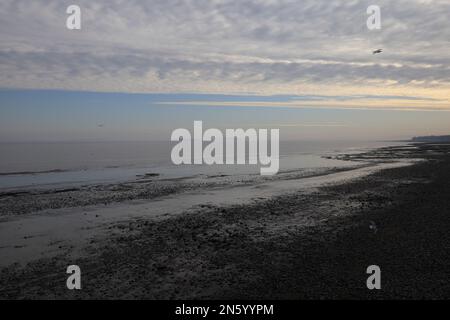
(302, 234)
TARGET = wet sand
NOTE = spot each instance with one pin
(291, 237)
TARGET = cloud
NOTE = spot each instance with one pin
(225, 46)
(351, 102)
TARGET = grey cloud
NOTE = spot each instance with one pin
(111, 65)
(255, 41)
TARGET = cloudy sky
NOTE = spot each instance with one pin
(256, 54)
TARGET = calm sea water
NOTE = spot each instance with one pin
(25, 165)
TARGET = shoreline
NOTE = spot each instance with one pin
(230, 251)
(34, 200)
(29, 176)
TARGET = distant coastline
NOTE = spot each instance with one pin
(423, 139)
(431, 139)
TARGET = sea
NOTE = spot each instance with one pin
(62, 164)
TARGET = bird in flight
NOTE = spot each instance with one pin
(377, 51)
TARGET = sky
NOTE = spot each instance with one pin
(139, 69)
